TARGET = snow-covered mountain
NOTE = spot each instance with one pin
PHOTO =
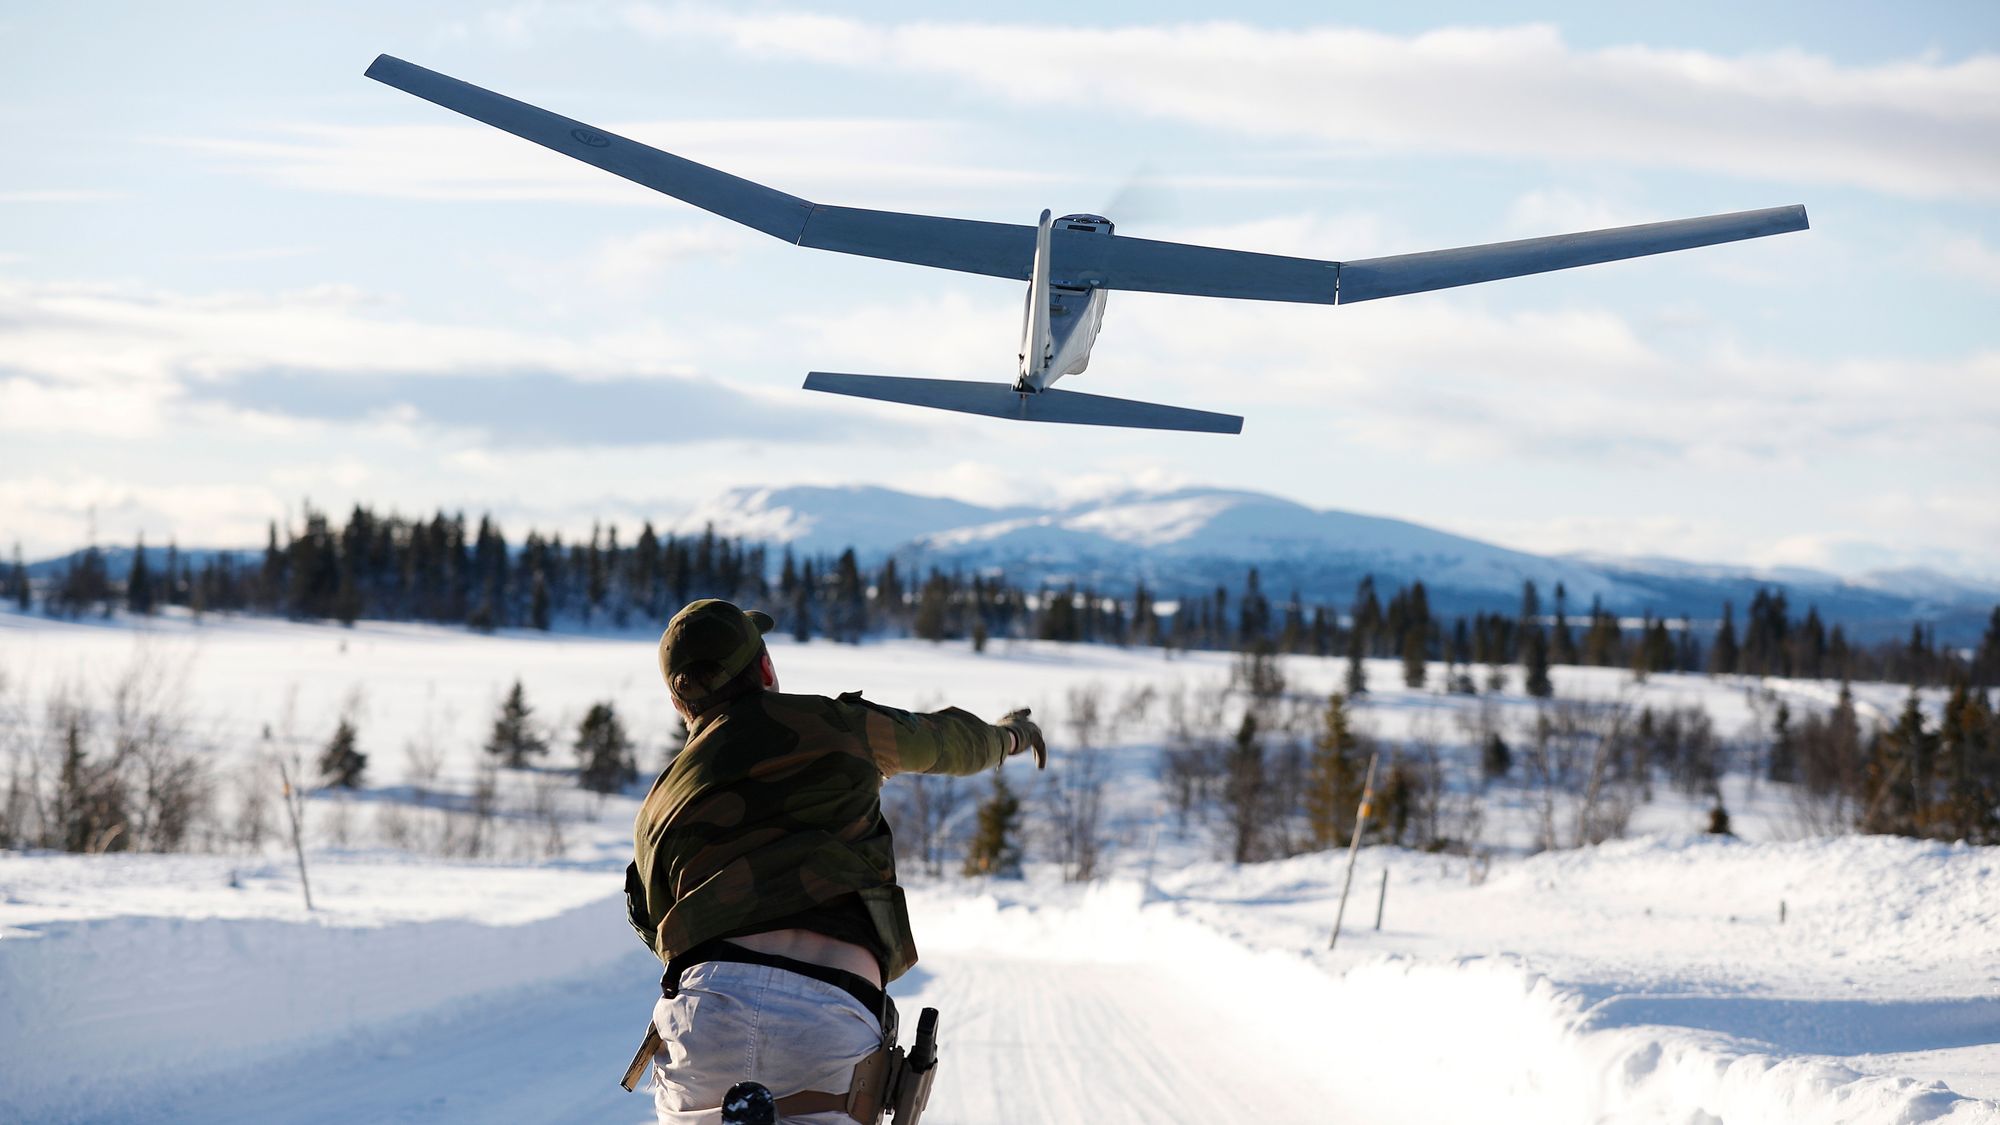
(1193, 539)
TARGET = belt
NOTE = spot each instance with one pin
(854, 984)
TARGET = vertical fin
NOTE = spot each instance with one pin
(1035, 325)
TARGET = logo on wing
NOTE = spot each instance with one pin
(590, 137)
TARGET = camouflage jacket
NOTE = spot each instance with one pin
(774, 807)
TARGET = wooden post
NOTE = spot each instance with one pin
(1152, 850)
(1381, 899)
(298, 844)
(1354, 845)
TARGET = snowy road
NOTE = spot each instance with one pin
(1039, 1041)
(1073, 1043)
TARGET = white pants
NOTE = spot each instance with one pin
(732, 1022)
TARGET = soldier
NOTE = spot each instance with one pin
(764, 876)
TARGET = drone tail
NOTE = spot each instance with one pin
(1003, 400)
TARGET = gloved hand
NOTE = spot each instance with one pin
(1026, 736)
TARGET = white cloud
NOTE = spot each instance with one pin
(132, 362)
(1448, 380)
(60, 195)
(1961, 255)
(55, 511)
(134, 339)
(636, 259)
(1919, 127)
(1127, 476)
(1550, 211)
(1850, 557)
(954, 337)
(1638, 535)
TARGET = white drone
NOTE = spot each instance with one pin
(1070, 263)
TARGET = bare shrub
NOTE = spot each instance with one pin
(253, 784)
(1426, 761)
(1481, 728)
(924, 808)
(545, 808)
(1584, 769)
(1073, 791)
(469, 835)
(1604, 808)
(1287, 774)
(1682, 742)
(1135, 707)
(337, 820)
(17, 806)
(172, 792)
(1191, 763)
(89, 809)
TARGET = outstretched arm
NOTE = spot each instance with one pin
(952, 741)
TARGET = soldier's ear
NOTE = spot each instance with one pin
(768, 670)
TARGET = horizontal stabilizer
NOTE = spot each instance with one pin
(1001, 400)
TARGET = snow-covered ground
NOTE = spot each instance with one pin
(1646, 980)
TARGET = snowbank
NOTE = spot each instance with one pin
(1489, 1039)
(96, 1013)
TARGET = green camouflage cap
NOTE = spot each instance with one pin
(712, 630)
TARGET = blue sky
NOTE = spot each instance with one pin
(234, 274)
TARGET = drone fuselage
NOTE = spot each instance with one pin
(1061, 322)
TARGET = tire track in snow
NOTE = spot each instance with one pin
(1095, 1044)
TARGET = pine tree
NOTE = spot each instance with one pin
(995, 849)
(1784, 765)
(538, 603)
(1334, 776)
(1397, 801)
(340, 763)
(1244, 790)
(802, 604)
(1413, 657)
(1602, 640)
(1357, 676)
(1535, 665)
(850, 600)
(89, 813)
(1496, 760)
(933, 605)
(1985, 664)
(1900, 760)
(17, 583)
(1366, 612)
(1723, 655)
(139, 584)
(514, 739)
(604, 753)
(1562, 648)
(173, 574)
(1718, 820)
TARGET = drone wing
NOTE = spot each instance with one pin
(1370, 278)
(1080, 258)
(997, 249)
(1202, 271)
